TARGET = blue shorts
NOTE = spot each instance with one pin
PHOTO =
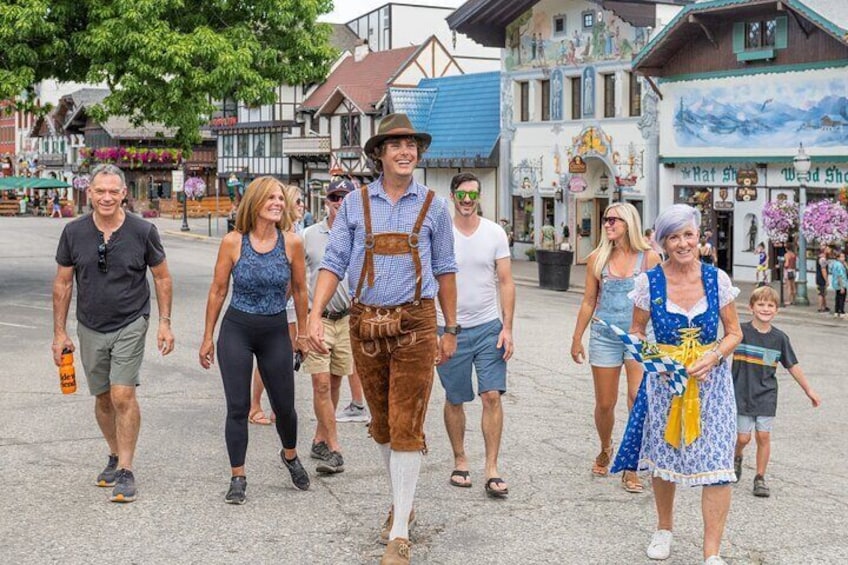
(747, 424)
(605, 348)
(477, 346)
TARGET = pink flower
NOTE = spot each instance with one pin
(825, 221)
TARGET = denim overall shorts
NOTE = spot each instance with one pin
(605, 348)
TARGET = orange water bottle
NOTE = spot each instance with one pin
(67, 374)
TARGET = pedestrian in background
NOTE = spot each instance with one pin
(108, 252)
(822, 263)
(839, 283)
(328, 369)
(612, 267)
(262, 256)
(790, 272)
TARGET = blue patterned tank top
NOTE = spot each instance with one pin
(261, 280)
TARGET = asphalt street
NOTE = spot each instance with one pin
(51, 450)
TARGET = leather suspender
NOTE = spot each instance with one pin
(391, 243)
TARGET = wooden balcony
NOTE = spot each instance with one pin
(312, 146)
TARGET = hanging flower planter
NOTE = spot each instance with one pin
(826, 222)
(194, 188)
(780, 219)
(81, 182)
(132, 157)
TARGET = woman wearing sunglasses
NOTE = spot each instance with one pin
(612, 267)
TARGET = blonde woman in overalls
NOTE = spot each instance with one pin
(622, 254)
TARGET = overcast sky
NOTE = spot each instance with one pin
(347, 10)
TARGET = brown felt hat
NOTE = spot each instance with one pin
(396, 125)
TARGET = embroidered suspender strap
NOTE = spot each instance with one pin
(413, 244)
(368, 262)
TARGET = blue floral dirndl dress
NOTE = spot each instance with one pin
(709, 459)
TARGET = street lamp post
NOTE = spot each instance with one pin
(185, 227)
(802, 168)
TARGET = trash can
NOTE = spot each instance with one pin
(231, 224)
(554, 269)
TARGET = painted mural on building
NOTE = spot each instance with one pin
(543, 38)
(763, 113)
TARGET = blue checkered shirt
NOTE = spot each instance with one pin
(394, 281)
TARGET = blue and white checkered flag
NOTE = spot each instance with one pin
(652, 360)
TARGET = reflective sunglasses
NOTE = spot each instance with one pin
(102, 266)
(336, 196)
(611, 220)
(471, 194)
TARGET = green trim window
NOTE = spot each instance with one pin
(758, 40)
(609, 96)
(576, 92)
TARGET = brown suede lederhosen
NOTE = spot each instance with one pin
(397, 371)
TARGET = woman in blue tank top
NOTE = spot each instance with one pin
(622, 254)
(263, 257)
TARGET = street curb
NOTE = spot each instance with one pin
(188, 235)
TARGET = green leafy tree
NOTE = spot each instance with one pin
(164, 60)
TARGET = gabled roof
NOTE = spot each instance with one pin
(461, 112)
(364, 82)
(829, 15)
(343, 38)
(485, 21)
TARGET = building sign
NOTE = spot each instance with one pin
(177, 178)
(723, 198)
(577, 165)
(832, 176)
(223, 122)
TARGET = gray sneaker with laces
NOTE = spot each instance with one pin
(320, 451)
(333, 464)
(353, 413)
(299, 476)
(236, 494)
(107, 477)
(124, 490)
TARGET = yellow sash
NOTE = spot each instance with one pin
(684, 414)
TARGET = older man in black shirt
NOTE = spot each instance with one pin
(108, 252)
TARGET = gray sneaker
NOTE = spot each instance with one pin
(236, 494)
(353, 413)
(320, 451)
(107, 477)
(333, 464)
(124, 490)
(299, 476)
(760, 487)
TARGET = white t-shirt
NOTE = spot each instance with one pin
(477, 280)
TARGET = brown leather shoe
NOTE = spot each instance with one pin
(398, 552)
(387, 525)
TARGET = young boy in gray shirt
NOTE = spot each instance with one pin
(754, 379)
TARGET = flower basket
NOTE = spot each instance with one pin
(81, 182)
(826, 222)
(194, 188)
(780, 219)
(149, 214)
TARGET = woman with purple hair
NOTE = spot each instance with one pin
(687, 438)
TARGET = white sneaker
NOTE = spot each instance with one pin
(714, 560)
(660, 546)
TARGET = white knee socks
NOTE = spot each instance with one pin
(405, 467)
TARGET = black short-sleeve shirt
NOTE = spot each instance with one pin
(755, 369)
(108, 301)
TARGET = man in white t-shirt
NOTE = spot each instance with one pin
(485, 340)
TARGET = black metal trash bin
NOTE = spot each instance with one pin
(554, 269)
(231, 224)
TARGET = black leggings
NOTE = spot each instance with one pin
(242, 336)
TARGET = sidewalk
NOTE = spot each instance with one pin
(526, 273)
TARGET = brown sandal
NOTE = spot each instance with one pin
(602, 462)
(631, 483)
